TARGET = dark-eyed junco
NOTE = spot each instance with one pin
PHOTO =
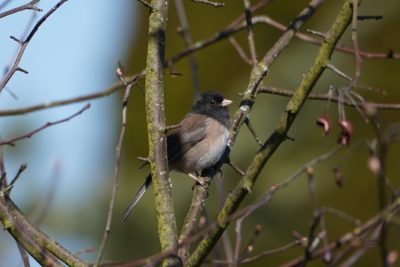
(199, 143)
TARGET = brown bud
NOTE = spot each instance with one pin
(346, 131)
(325, 123)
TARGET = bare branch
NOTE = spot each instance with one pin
(250, 33)
(42, 248)
(29, 6)
(327, 97)
(12, 141)
(20, 170)
(146, 4)
(114, 88)
(239, 50)
(210, 3)
(184, 31)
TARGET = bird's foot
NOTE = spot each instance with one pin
(199, 181)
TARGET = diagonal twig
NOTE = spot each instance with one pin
(28, 6)
(12, 141)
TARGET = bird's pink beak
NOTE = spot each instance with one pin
(226, 102)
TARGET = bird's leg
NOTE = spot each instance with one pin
(198, 180)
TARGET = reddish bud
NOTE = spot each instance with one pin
(346, 131)
(325, 123)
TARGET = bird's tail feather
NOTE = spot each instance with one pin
(137, 197)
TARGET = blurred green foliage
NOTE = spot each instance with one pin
(221, 69)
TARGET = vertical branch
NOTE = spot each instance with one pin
(184, 30)
(3, 174)
(156, 126)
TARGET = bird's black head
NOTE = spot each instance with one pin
(210, 102)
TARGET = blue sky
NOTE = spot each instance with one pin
(74, 53)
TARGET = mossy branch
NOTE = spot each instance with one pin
(278, 136)
(156, 124)
(45, 250)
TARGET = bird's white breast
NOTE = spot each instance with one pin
(216, 145)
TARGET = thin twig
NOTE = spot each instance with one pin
(239, 50)
(12, 141)
(41, 210)
(310, 244)
(263, 254)
(146, 4)
(338, 72)
(252, 130)
(184, 31)
(238, 232)
(128, 86)
(29, 6)
(250, 33)
(370, 243)
(326, 97)
(210, 3)
(20, 170)
(341, 48)
(250, 244)
(356, 47)
(3, 173)
(24, 255)
(25, 43)
(114, 88)
(341, 214)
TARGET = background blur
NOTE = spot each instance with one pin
(70, 166)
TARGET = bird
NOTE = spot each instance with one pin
(199, 143)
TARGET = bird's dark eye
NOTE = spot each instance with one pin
(212, 102)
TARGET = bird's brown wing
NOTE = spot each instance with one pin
(191, 131)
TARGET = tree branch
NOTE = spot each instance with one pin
(327, 97)
(12, 141)
(42, 248)
(156, 128)
(29, 6)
